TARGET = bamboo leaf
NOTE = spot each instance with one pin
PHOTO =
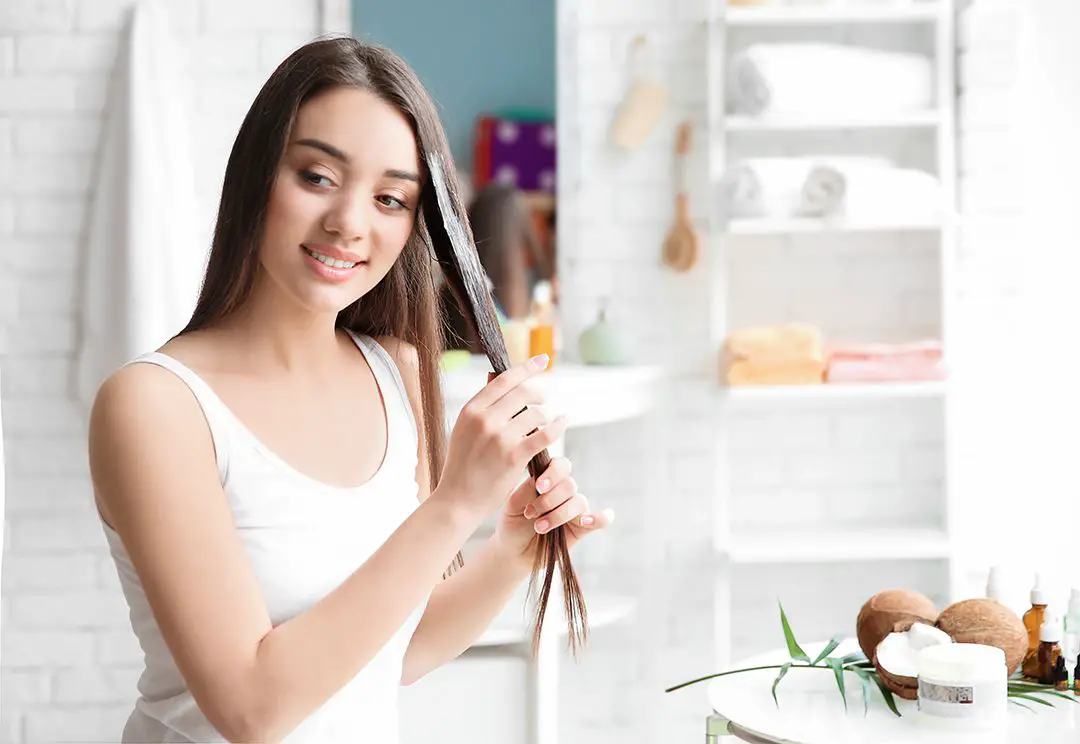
(794, 650)
(853, 658)
(1032, 698)
(780, 676)
(1030, 710)
(864, 679)
(829, 648)
(838, 672)
(887, 694)
(1037, 689)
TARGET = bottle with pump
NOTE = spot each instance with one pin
(1049, 650)
(1071, 641)
(1033, 622)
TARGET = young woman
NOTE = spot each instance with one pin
(274, 483)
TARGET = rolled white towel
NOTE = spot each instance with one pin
(901, 195)
(815, 79)
(784, 187)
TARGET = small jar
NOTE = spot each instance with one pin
(963, 686)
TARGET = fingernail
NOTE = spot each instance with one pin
(539, 361)
(543, 485)
(542, 526)
(586, 520)
(529, 512)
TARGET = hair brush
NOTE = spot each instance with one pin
(456, 251)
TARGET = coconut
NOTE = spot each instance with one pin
(896, 658)
(989, 623)
(891, 611)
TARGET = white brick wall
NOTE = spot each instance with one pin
(69, 659)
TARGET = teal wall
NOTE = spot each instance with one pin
(474, 56)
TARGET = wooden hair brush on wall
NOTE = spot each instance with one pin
(455, 250)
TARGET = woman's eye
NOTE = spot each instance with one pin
(391, 201)
(315, 179)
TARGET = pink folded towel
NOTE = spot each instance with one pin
(908, 362)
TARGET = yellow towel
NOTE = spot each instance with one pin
(794, 371)
(781, 341)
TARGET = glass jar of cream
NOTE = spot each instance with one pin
(963, 686)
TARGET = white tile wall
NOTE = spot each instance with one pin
(67, 677)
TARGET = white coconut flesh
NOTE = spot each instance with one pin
(898, 654)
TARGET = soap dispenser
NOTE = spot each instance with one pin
(603, 342)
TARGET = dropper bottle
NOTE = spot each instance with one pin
(1033, 622)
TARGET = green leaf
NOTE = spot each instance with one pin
(887, 694)
(864, 679)
(1032, 710)
(794, 650)
(829, 648)
(780, 676)
(838, 672)
(854, 658)
(1032, 698)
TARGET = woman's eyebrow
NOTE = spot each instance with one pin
(325, 147)
(338, 154)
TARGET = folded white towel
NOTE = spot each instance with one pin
(815, 79)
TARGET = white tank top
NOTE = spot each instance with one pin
(303, 538)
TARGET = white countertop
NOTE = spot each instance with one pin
(587, 394)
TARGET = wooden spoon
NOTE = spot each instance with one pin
(682, 245)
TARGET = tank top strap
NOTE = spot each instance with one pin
(389, 378)
(213, 409)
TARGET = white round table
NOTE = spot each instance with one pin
(811, 711)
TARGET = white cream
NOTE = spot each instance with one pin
(963, 686)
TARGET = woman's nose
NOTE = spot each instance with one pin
(349, 218)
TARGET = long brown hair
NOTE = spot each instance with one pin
(404, 304)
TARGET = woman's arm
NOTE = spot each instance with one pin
(158, 486)
(462, 606)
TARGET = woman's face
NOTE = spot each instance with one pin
(343, 201)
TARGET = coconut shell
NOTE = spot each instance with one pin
(891, 611)
(989, 623)
(905, 687)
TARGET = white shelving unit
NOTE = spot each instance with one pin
(829, 551)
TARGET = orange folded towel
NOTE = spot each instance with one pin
(784, 340)
(805, 371)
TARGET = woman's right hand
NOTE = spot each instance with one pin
(493, 440)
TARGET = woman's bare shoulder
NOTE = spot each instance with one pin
(402, 352)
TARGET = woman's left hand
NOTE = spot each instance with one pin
(526, 514)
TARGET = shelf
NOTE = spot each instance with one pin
(513, 625)
(812, 225)
(850, 391)
(834, 546)
(588, 394)
(826, 15)
(913, 120)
